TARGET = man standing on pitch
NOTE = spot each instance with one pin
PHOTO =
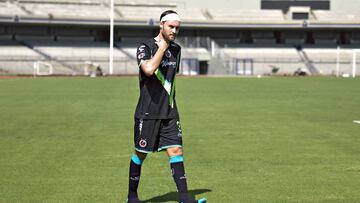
(157, 124)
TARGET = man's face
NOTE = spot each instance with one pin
(170, 29)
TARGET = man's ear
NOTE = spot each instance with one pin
(161, 25)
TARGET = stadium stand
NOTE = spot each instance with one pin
(9, 8)
(60, 9)
(355, 39)
(17, 52)
(294, 36)
(264, 58)
(326, 37)
(286, 59)
(5, 38)
(20, 61)
(62, 1)
(200, 54)
(74, 54)
(33, 38)
(335, 16)
(75, 50)
(264, 37)
(194, 14)
(251, 15)
(227, 42)
(142, 12)
(69, 34)
(324, 59)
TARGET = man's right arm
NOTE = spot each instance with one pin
(150, 66)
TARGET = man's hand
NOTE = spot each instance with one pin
(150, 66)
(162, 44)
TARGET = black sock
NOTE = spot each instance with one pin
(134, 176)
(178, 173)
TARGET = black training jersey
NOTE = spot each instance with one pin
(157, 92)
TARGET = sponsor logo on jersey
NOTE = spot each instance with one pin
(167, 63)
(168, 53)
(142, 143)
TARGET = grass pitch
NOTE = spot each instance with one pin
(245, 140)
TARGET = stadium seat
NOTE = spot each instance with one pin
(60, 9)
(227, 42)
(355, 39)
(200, 54)
(326, 38)
(294, 37)
(6, 38)
(192, 14)
(33, 38)
(141, 12)
(11, 9)
(264, 37)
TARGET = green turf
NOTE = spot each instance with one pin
(246, 140)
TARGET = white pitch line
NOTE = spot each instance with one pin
(357, 122)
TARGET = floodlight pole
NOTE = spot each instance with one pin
(338, 61)
(111, 54)
(213, 48)
(354, 64)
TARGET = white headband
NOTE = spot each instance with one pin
(171, 16)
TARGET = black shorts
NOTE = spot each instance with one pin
(151, 135)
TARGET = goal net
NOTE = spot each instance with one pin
(347, 62)
(42, 68)
(355, 61)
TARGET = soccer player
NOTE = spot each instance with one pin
(157, 124)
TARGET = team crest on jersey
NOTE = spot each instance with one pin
(168, 54)
(142, 143)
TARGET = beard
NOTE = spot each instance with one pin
(168, 38)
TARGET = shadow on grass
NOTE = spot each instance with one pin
(173, 196)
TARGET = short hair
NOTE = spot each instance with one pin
(167, 12)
